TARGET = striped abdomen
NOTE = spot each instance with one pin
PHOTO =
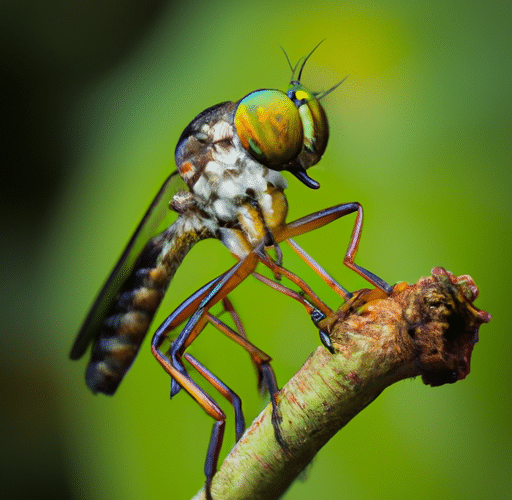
(129, 318)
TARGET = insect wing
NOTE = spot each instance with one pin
(157, 218)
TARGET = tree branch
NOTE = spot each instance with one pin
(426, 329)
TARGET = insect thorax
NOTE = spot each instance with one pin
(235, 193)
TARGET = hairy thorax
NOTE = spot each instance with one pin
(239, 199)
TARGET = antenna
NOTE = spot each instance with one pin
(325, 92)
(293, 68)
(306, 59)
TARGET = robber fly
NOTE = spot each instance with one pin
(230, 158)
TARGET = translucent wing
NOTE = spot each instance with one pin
(157, 218)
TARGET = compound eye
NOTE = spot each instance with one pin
(315, 125)
(269, 127)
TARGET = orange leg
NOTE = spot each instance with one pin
(197, 307)
(181, 377)
(217, 291)
(208, 405)
(281, 271)
(228, 307)
(219, 288)
(229, 394)
(331, 282)
(323, 217)
(198, 319)
(266, 375)
(211, 407)
(258, 357)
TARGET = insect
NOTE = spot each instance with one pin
(230, 157)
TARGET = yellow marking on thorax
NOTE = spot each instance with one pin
(276, 217)
(253, 227)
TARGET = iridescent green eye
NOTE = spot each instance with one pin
(269, 127)
(314, 122)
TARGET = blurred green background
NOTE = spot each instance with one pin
(95, 96)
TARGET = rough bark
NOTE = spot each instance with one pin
(427, 329)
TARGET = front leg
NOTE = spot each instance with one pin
(323, 217)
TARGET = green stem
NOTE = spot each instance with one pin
(427, 329)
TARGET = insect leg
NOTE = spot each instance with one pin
(228, 307)
(282, 271)
(239, 328)
(266, 375)
(259, 358)
(323, 217)
(221, 287)
(186, 309)
(331, 282)
(212, 456)
(229, 394)
(180, 314)
(209, 295)
(317, 314)
(208, 405)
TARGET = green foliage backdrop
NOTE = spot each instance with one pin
(420, 135)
